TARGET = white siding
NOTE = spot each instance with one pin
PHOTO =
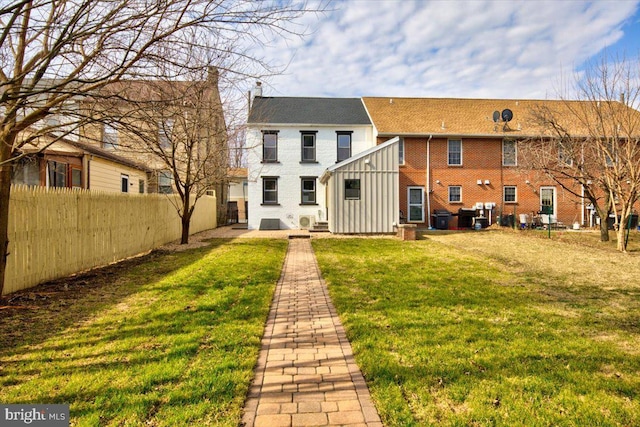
(290, 170)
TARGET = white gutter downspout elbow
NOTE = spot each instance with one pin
(428, 181)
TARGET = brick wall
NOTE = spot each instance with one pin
(481, 160)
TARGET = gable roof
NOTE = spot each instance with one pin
(329, 171)
(301, 110)
(474, 117)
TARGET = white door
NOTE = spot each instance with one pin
(548, 201)
(415, 202)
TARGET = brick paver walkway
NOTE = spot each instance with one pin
(306, 374)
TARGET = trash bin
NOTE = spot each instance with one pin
(441, 219)
(482, 222)
(507, 220)
(465, 217)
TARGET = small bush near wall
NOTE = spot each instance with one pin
(57, 232)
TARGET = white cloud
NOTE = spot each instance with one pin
(445, 49)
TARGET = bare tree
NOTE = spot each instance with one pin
(591, 146)
(54, 52)
(175, 127)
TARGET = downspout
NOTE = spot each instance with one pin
(428, 181)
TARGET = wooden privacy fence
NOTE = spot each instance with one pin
(54, 233)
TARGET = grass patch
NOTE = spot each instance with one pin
(491, 328)
(170, 341)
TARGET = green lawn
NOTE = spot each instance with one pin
(169, 342)
(491, 328)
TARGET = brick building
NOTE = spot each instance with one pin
(461, 155)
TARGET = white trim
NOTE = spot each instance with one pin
(449, 193)
(515, 148)
(449, 151)
(504, 194)
(415, 187)
(554, 196)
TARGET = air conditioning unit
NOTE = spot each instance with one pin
(306, 221)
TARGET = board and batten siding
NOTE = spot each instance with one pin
(377, 210)
(105, 175)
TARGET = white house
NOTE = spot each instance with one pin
(291, 143)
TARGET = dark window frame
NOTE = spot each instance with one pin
(267, 156)
(57, 174)
(304, 192)
(340, 151)
(266, 179)
(351, 190)
(303, 135)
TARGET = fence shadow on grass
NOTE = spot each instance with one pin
(34, 315)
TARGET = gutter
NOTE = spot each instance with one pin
(428, 180)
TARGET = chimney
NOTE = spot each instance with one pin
(622, 97)
(257, 91)
(212, 75)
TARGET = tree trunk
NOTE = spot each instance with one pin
(186, 215)
(604, 230)
(186, 222)
(5, 192)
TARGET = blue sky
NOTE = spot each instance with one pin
(467, 49)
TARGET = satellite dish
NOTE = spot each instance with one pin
(496, 116)
(507, 115)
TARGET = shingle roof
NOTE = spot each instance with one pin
(301, 110)
(455, 116)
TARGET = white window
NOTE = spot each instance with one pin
(548, 200)
(455, 194)
(509, 152)
(510, 194)
(165, 180)
(165, 132)
(124, 180)
(401, 151)
(454, 152)
(109, 137)
(415, 207)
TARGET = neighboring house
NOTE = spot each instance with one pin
(292, 141)
(456, 158)
(160, 123)
(237, 195)
(71, 164)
